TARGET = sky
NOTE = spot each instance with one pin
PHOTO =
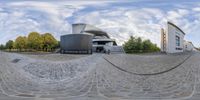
(119, 18)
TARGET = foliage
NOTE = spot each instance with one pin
(49, 41)
(34, 41)
(10, 44)
(137, 45)
(2, 47)
(21, 43)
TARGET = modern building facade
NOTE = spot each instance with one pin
(172, 40)
(100, 41)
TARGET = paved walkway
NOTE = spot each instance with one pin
(95, 78)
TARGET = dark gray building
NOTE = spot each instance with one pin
(76, 43)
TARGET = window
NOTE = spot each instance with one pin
(177, 33)
(164, 35)
(179, 49)
(177, 41)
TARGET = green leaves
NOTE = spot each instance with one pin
(21, 43)
(34, 41)
(49, 41)
(137, 45)
(10, 44)
(2, 47)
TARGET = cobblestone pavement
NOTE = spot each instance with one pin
(100, 77)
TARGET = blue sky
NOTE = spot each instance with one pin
(120, 18)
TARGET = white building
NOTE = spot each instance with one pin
(101, 41)
(172, 40)
(188, 46)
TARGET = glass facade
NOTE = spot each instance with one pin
(177, 41)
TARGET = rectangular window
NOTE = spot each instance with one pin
(177, 41)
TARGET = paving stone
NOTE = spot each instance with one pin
(91, 77)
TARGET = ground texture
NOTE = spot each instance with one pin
(100, 77)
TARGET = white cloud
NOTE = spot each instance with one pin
(19, 18)
(196, 9)
(122, 23)
(144, 22)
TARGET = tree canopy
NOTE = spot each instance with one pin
(137, 45)
(34, 41)
(2, 47)
(21, 43)
(10, 44)
(49, 41)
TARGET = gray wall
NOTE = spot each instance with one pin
(76, 42)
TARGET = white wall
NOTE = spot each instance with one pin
(171, 39)
(78, 28)
(188, 46)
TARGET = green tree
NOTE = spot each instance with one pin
(139, 45)
(58, 45)
(10, 45)
(129, 45)
(2, 47)
(21, 43)
(49, 42)
(34, 41)
(147, 45)
(136, 45)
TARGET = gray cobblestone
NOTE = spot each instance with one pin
(56, 77)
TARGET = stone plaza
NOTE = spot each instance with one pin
(100, 76)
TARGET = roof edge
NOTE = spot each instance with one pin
(176, 27)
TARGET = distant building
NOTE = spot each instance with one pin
(163, 41)
(172, 40)
(188, 46)
(79, 40)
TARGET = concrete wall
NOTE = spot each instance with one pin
(76, 42)
(188, 46)
(168, 39)
(172, 32)
(78, 28)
